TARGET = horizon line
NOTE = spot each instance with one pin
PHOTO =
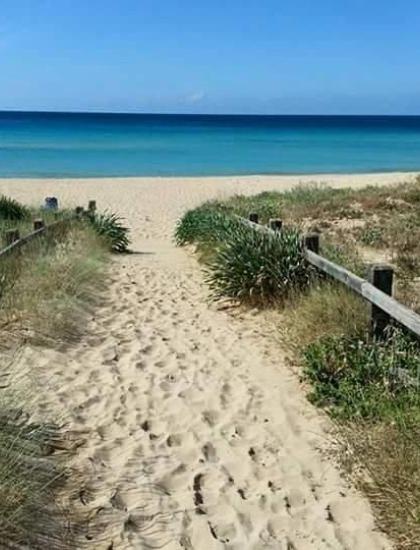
(140, 113)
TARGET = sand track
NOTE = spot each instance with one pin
(198, 435)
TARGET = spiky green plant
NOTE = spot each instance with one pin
(109, 226)
(257, 266)
(204, 224)
(11, 209)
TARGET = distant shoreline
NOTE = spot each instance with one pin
(399, 175)
(221, 115)
(305, 175)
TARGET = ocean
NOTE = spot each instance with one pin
(94, 145)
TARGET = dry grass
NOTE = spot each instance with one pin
(327, 309)
(32, 474)
(385, 463)
(47, 286)
(45, 291)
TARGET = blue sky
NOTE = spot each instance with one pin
(231, 56)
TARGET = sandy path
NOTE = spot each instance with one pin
(199, 437)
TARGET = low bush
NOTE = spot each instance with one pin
(267, 204)
(256, 266)
(365, 378)
(110, 227)
(10, 209)
(204, 225)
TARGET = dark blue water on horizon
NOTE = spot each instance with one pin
(99, 144)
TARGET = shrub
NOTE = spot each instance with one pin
(372, 235)
(311, 194)
(10, 209)
(258, 266)
(109, 226)
(362, 377)
(204, 225)
(266, 204)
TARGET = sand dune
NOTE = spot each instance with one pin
(198, 435)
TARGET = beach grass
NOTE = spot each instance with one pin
(47, 289)
(32, 474)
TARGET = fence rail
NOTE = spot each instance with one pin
(378, 292)
(14, 241)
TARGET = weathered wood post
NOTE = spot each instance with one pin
(275, 224)
(38, 224)
(311, 242)
(381, 276)
(92, 207)
(253, 217)
(11, 235)
(79, 211)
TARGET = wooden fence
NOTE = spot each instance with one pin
(14, 241)
(378, 290)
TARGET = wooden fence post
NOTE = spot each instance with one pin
(253, 217)
(92, 207)
(311, 242)
(275, 224)
(381, 276)
(10, 236)
(38, 224)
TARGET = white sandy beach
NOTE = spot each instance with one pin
(199, 437)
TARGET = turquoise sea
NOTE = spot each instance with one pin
(91, 144)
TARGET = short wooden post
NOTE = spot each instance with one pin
(311, 242)
(275, 224)
(381, 276)
(11, 235)
(92, 207)
(38, 224)
(253, 217)
(79, 211)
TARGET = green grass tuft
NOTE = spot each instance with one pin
(10, 209)
(255, 266)
(109, 226)
(204, 225)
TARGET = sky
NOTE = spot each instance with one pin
(211, 56)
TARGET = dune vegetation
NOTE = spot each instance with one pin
(368, 386)
(46, 287)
